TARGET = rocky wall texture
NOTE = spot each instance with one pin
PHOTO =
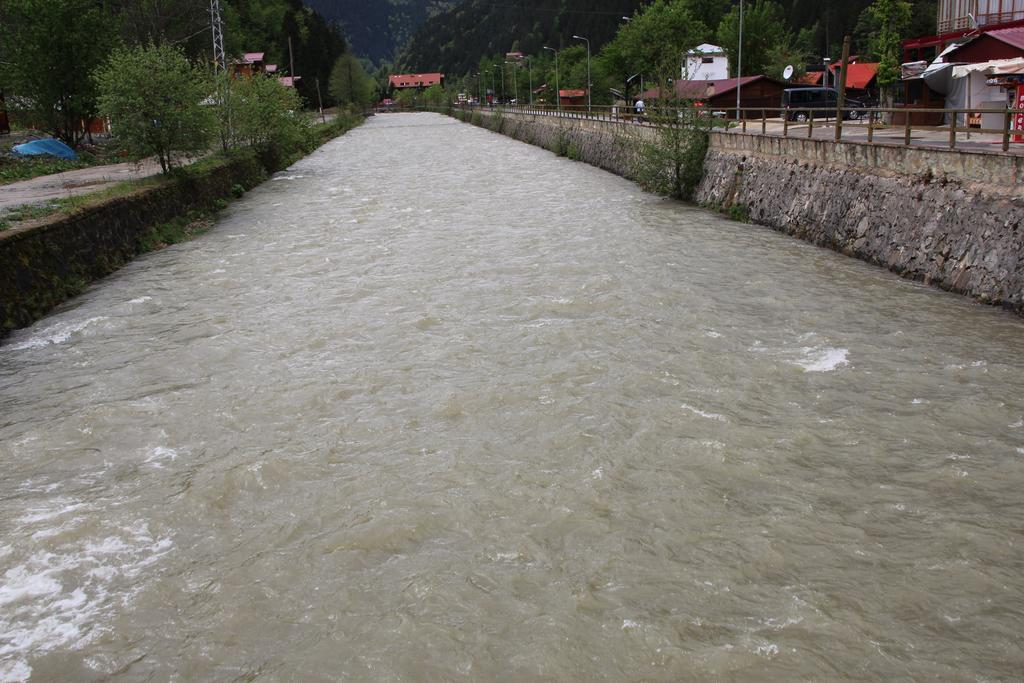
(609, 146)
(963, 237)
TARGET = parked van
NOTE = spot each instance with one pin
(801, 102)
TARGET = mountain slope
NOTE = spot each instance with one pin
(377, 29)
(454, 41)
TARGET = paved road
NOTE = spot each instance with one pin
(71, 183)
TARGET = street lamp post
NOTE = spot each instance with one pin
(588, 70)
(502, 70)
(739, 64)
(515, 81)
(479, 92)
(529, 66)
(558, 95)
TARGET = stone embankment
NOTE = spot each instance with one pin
(951, 219)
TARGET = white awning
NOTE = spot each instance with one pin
(961, 70)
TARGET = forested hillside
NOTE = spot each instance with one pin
(376, 29)
(249, 26)
(456, 41)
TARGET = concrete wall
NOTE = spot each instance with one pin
(949, 218)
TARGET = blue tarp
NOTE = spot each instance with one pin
(49, 146)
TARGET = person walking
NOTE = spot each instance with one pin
(640, 110)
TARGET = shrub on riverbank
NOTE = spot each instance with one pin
(672, 162)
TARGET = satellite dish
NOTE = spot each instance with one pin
(787, 73)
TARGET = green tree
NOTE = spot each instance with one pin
(153, 97)
(50, 49)
(349, 84)
(889, 20)
(765, 36)
(654, 41)
(434, 96)
(267, 113)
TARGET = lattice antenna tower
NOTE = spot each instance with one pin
(220, 62)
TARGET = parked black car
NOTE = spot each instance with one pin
(801, 102)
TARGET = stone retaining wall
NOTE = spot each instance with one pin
(936, 226)
(952, 219)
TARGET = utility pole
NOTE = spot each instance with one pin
(589, 84)
(529, 65)
(739, 64)
(558, 94)
(217, 27)
(291, 63)
(841, 99)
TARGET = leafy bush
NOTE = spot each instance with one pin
(672, 164)
(153, 97)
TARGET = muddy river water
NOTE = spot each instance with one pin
(437, 405)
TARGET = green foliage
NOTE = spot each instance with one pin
(739, 213)
(237, 191)
(765, 35)
(50, 48)
(152, 96)
(265, 112)
(434, 97)
(654, 41)
(349, 85)
(672, 164)
(891, 18)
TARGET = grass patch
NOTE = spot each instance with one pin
(13, 169)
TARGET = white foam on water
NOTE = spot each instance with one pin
(56, 508)
(824, 359)
(141, 300)
(629, 624)
(14, 671)
(161, 453)
(697, 411)
(56, 598)
(1020, 451)
(295, 176)
(56, 334)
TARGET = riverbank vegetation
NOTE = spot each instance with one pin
(671, 162)
(53, 49)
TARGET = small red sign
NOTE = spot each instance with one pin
(1018, 118)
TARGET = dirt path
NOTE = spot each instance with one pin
(70, 183)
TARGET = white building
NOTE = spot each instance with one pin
(705, 63)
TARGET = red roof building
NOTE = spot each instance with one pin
(1005, 43)
(401, 81)
(572, 98)
(756, 92)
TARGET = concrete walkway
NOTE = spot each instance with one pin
(71, 183)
